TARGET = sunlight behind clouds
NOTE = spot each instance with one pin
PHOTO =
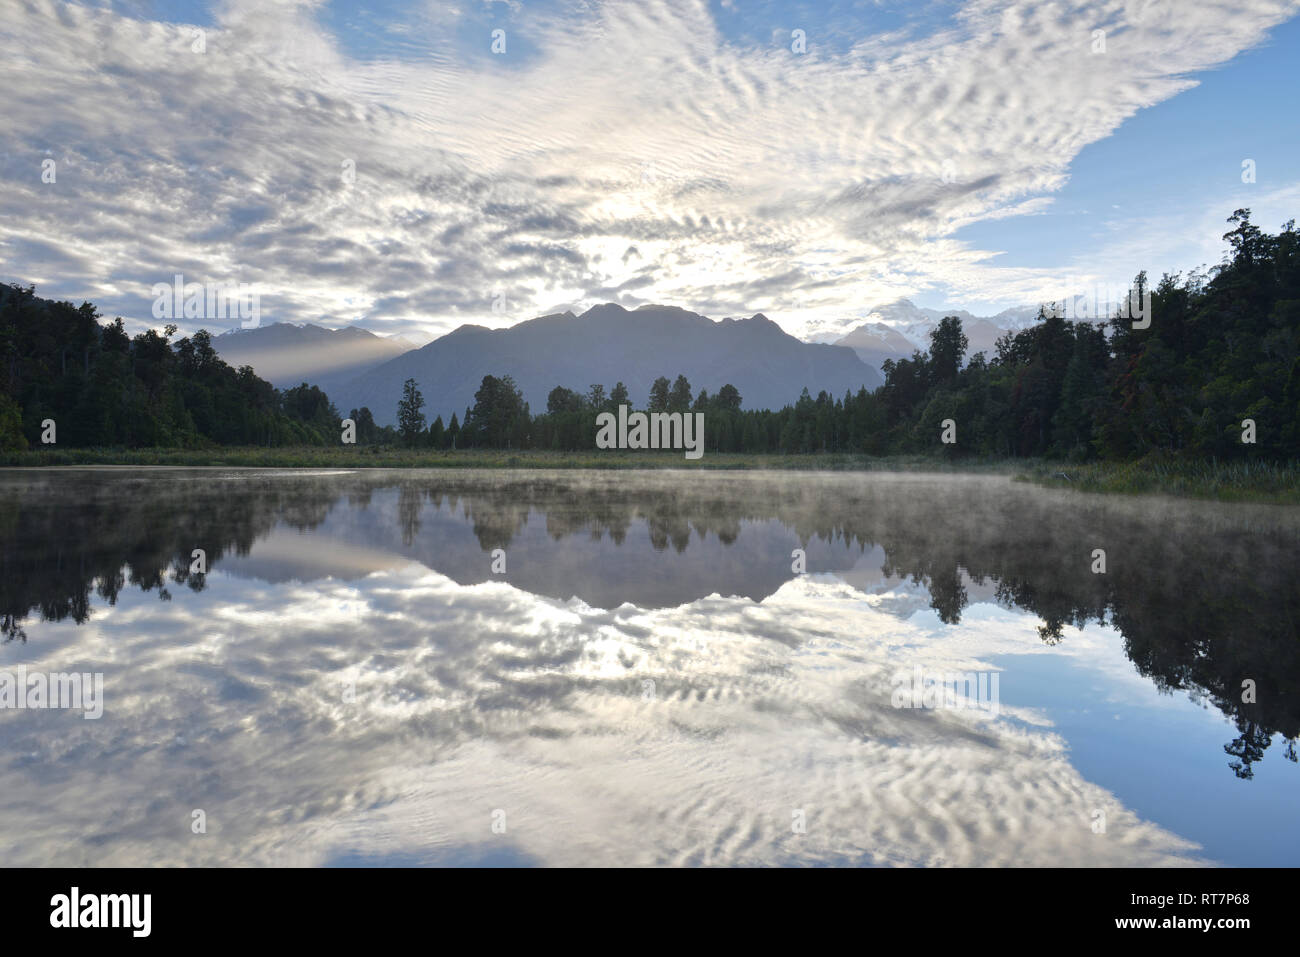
(748, 177)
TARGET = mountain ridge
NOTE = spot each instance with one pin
(609, 343)
(896, 329)
(769, 366)
(287, 354)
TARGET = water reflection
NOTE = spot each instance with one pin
(527, 692)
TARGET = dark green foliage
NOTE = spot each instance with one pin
(499, 418)
(11, 425)
(368, 433)
(659, 390)
(1219, 350)
(947, 347)
(103, 388)
(563, 400)
(410, 413)
(679, 399)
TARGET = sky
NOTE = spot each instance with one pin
(403, 166)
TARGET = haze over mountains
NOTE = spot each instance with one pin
(606, 344)
(287, 354)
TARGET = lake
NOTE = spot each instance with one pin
(644, 668)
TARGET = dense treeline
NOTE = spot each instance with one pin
(1215, 374)
(1217, 353)
(101, 387)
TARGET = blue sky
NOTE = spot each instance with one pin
(1165, 162)
(382, 164)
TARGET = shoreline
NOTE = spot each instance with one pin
(1255, 482)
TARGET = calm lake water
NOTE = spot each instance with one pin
(650, 679)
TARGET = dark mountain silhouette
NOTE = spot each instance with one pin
(605, 345)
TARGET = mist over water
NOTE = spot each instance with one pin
(649, 680)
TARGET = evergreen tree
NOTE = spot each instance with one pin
(728, 398)
(453, 433)
(947, 349)
(659, 393)
(679, 399)
(410, 414)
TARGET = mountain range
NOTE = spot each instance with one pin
(609, 344)
(896, 330)
(287, 354)
(605, 344)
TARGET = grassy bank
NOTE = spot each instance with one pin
(394, 457)
(1268, 482)
(1224, 481)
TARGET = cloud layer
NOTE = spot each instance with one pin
(474, 699)
(630, 152)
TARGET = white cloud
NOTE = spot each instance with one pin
(747, 178)
(474, 698)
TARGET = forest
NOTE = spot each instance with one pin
(1216, 375)
(103, 388)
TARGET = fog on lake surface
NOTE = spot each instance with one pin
(651, 679)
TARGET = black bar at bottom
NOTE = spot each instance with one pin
(334, 906)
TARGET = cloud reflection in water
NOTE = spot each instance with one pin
(474, 694)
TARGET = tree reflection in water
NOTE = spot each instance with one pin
(1204, 595)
